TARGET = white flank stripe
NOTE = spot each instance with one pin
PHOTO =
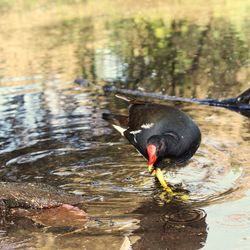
(147, 125)
(119, 129)
(135, 132)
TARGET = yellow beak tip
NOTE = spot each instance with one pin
(150, 168)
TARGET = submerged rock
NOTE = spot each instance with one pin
(46, 205)
(34, 195)
(62, 216)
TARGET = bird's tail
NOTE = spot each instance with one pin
(129, 99)
(124, 97)
(120, 120)
(107, 116)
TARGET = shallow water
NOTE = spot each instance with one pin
(52, 129)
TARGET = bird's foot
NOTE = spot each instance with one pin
(168, 197)
(169, 193)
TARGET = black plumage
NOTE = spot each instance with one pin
(173, 132)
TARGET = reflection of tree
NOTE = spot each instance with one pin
(160, 54)
(81, 32)
(173, 56)
(78, 33)
(225, 54)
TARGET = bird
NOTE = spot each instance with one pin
(158, 132)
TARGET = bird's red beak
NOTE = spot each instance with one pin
(151, 150)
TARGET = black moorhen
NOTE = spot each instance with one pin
(158, 132)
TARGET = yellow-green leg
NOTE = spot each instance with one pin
(158, 173)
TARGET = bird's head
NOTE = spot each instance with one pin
(156, 149)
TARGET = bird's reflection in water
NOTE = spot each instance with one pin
(174, 225)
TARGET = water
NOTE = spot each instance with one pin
(52, 129)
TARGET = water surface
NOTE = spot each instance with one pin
(52, 129)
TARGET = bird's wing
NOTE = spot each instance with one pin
(132, 139)
(189, 153)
